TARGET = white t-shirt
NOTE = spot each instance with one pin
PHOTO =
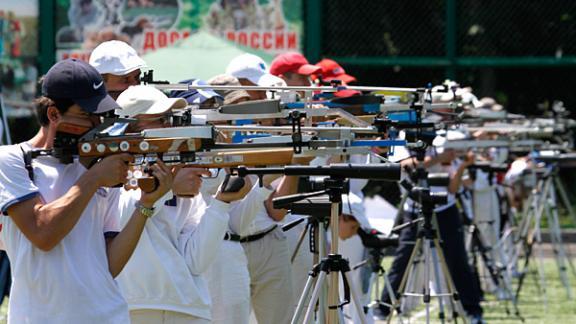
(70, 283)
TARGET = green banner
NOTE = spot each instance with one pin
(264, 26)
(18, 54)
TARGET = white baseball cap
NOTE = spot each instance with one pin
(253, 68)
(115, 57)
(146, 100)
(352, 205)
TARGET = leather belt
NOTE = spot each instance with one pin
(250, 238)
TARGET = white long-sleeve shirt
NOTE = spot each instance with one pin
(164, 271)
(249, 215)
(228, 277)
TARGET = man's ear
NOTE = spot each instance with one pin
(53, 114)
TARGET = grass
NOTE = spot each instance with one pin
(558, 309)
(533, 306)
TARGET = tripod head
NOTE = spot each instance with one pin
(333, 189)
(424, 196)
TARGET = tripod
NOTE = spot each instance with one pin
(328, 270)
(333, 264)
(543, 200)
(483, 241)
(377, 272)
(428, 259)
(496, 273)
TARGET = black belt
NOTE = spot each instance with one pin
(250, 238)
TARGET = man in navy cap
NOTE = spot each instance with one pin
(59, 231)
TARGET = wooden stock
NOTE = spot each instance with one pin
(226, 159)
(216, 159)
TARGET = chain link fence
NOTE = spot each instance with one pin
(516, 28)
(482, 30)
(383, 28)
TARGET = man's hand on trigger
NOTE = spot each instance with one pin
(165, 178)
(187, 181)
(112, 170)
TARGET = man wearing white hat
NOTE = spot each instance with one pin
(119, 65)
(162, 282)
(251, 70)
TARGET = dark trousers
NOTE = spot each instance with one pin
(452, 243)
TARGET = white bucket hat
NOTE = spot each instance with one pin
(146, 100)
(115, 57)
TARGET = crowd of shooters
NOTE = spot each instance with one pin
(83, 249)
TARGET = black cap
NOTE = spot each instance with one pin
(78, 81)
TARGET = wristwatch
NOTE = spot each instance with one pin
(146, 211)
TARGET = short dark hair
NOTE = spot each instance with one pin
(41, 104)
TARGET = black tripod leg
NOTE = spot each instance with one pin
(299, 244)
(524, 270)
(488, 262)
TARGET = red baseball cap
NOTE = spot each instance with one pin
(332, 70)
(292, 62)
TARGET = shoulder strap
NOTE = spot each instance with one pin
(27, 161)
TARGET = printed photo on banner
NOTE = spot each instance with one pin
(18, 55)
(267, 26)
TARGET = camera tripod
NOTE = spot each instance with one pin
(333, 265)
(497, 274)
(543, 200)
(484, 242)
(376, 272)
(328, 269)
(427, 260)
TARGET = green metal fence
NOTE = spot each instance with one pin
(521, 51)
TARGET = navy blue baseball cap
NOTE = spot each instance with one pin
(196, 96)
(78, 81)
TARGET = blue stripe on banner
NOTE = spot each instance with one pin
(379, 143)
(17, 200)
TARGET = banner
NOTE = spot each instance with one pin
(267, 26)
(18, 53)
(18, 49)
